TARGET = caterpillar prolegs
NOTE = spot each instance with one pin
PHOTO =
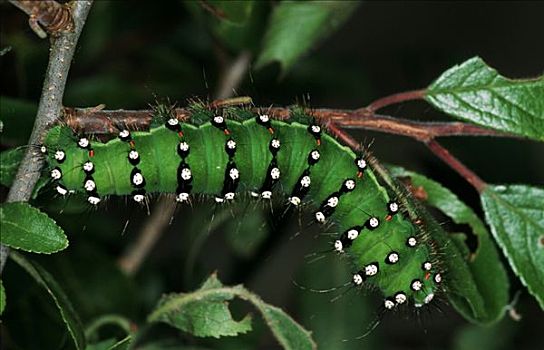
(234, 151)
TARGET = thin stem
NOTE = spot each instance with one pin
(421, 131)
(103, 122)
(344, 136)
(49, 109)
(91, 331)
(433, 145)
(97, 121)
(456, 165)
(150, 233)
(393, 99)
(233, 75)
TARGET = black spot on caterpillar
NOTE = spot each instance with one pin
(223, 153)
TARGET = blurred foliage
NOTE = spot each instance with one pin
(2, 297)
(296, 25)
(132, 52)
(18, 116)
(55, 291)
(9, 162)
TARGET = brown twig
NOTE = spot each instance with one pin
(393, 99)
(456, 165)
(104, 122)
(344, 137)
(433, 145)
(49, 109)
(421, 131)
(55, 18)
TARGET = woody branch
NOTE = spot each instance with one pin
(100, 121)
(49, 109)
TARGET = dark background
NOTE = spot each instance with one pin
(132, 51)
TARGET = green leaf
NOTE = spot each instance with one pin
(2, 298)
(289, 333)
(475, 92)
(516, 216)
(205, 313)
(27, 228)
(296, 26)
(238, 25)
(44, 279)
(485, 265)
(9, 163)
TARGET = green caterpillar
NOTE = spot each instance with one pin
(232, 151)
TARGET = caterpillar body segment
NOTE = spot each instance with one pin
(267, 158)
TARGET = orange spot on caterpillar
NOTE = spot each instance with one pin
(180, 133)
(226, 131)
(318, 142)
(418, 192)
(427, 275)
(132, 144)
(360, 174)
(91, 153)
(389, 217)
(271, 130)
